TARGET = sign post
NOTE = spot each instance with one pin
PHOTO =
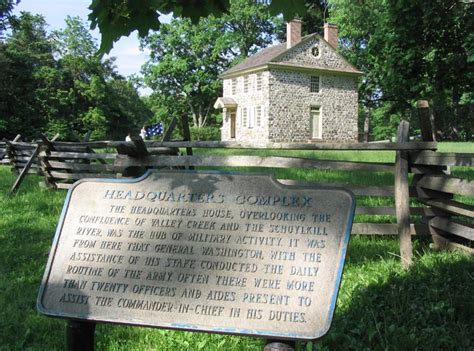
(215, 252)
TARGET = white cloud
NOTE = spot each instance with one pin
(127, 49)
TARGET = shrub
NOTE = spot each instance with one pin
(205, 133)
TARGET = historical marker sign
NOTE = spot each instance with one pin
(200, 251)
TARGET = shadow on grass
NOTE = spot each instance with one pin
(429, 307)
(364, 249)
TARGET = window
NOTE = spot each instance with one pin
(314, 85)
(259, 82)
(234, 86)
(258, 116)
(315, 122)
(244, 117)
(246, 84)
(315, 51)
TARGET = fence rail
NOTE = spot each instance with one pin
(451, 217)
(427, 206)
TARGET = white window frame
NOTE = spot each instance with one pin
(251, 117)
(258, 115)
(259, 81)
(244, 115)
(246, 84)
(320, 121)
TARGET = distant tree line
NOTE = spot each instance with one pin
(57, 82)
(408, 49)
(411, 50)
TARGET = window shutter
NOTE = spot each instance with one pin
(258, 115)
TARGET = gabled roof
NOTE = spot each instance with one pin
(226, 102)
(262, 57)
(270, 57)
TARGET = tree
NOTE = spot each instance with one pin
(412, 50)
(25, 54)
(317, 13)
(99, 99)
(186, 58)
(58, 84)
(6, 8)
(247, 28)
(120, 18)
(314, 16)
(184, 64)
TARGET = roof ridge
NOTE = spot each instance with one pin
(271, 54)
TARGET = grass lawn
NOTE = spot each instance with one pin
(380, 306)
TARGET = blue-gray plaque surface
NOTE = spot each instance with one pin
(204, 251)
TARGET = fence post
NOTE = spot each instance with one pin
(169, 131)
(402, 197)
(8, 150)
(25, 170)
(428, 131)
(273, 345)
(46, 148)
(186, 132)
(137, 149)
(80, 335)
(367, 125)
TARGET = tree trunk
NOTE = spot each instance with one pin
(193, 114)
(201, 117)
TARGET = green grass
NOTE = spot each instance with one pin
(380, 305)
(467, 147)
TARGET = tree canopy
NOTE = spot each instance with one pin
(56, 83)
(186, 58)
(117, 18)
(410, 50)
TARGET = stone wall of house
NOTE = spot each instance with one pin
(291, 101)
(248, 100)
(327, 58)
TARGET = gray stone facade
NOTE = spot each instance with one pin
(286, 99)
(249, 100)
(328, 58)
(291, 101)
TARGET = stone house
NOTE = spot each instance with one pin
(298, 91)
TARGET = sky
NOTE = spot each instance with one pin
(126, 50)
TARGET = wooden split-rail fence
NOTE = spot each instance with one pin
(421, 198)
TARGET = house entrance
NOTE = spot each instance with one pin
(232, 123)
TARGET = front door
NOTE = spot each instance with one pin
(232, 124)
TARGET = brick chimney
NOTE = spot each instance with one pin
(330, 34)
(293, 33)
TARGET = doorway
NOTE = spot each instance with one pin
(315, 122)
(232, 124)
